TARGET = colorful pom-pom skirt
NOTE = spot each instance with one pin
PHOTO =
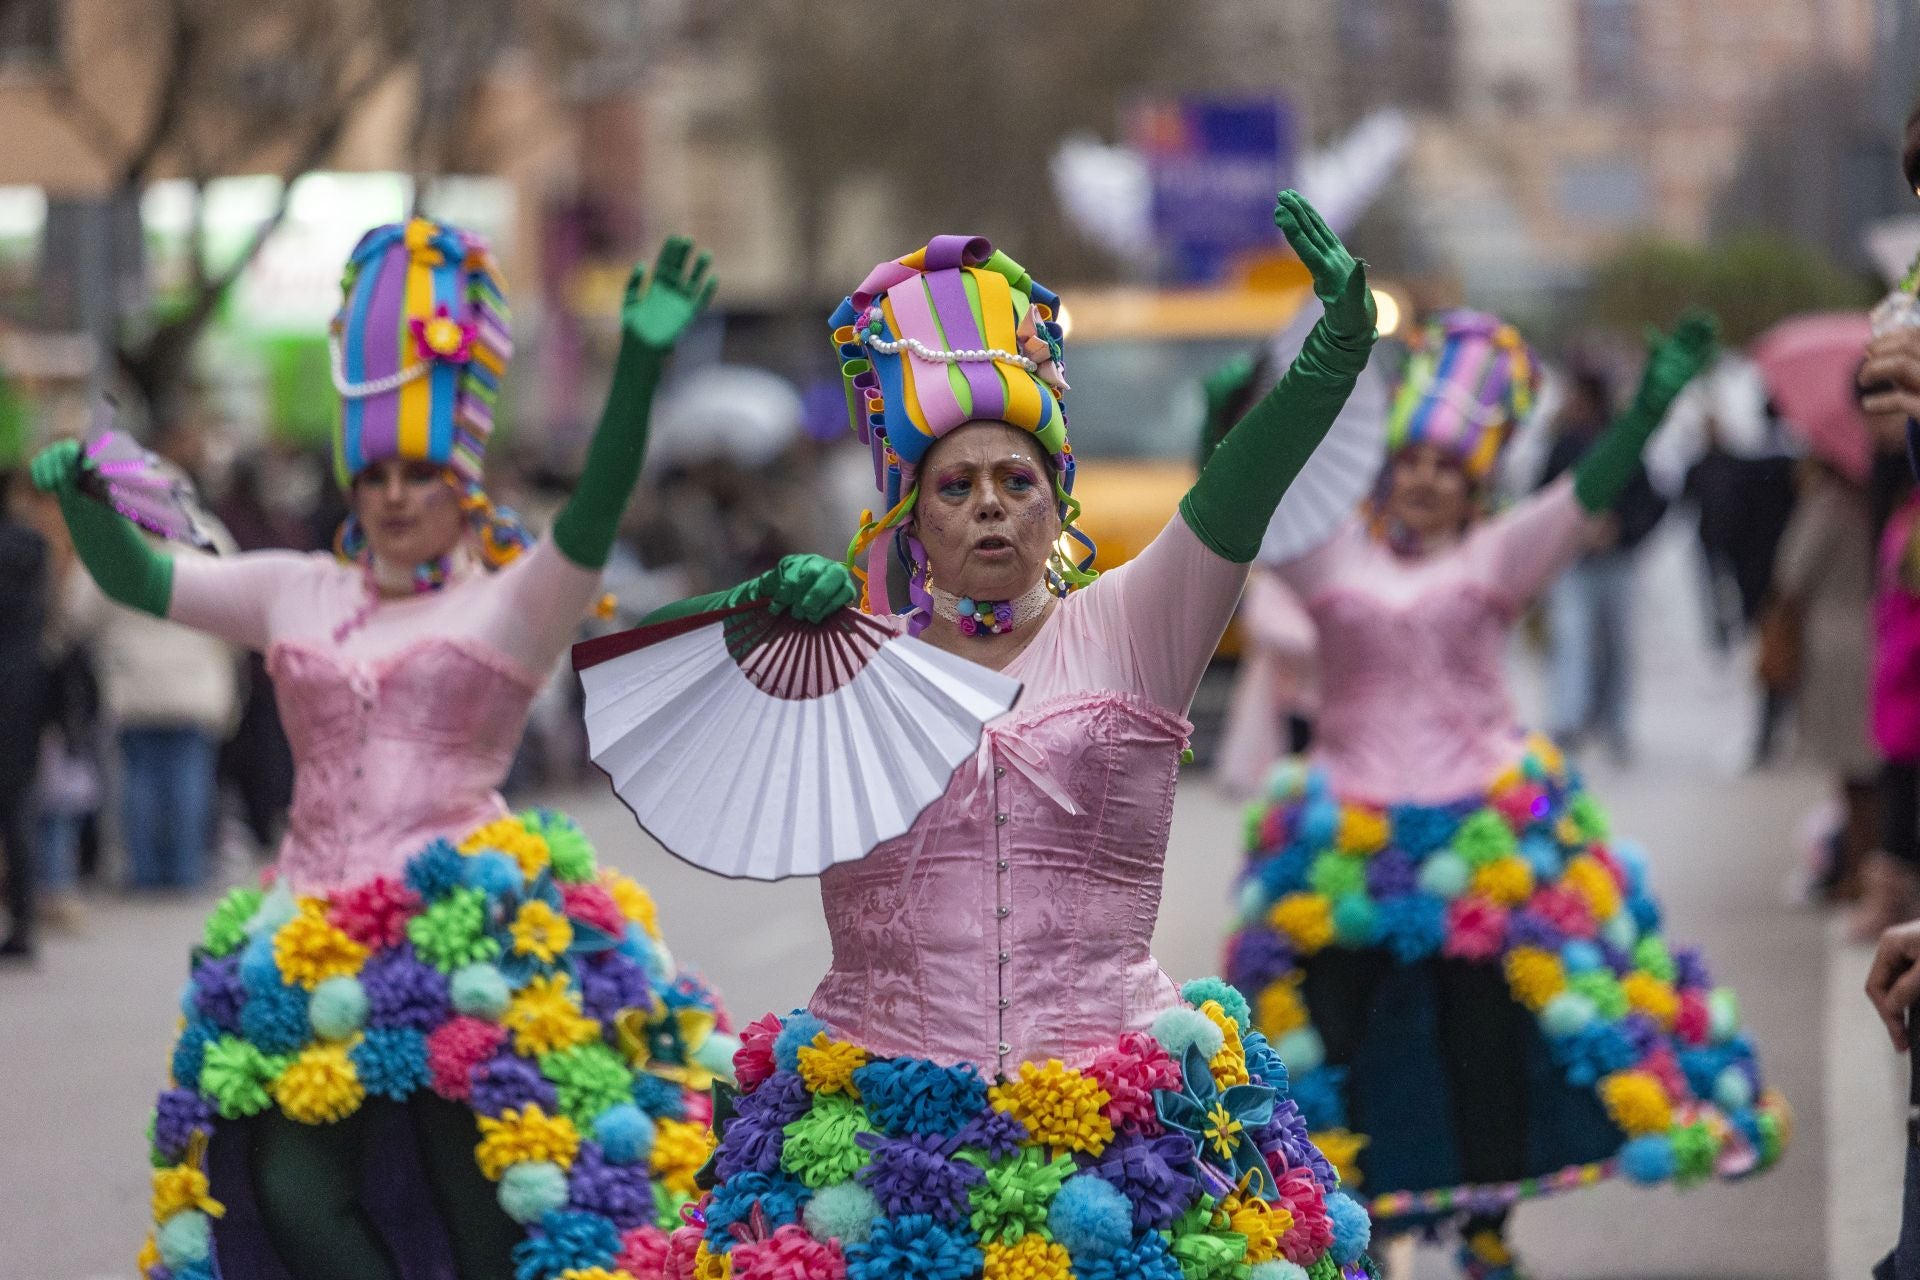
(1175, 1155)
(506, 973)
(1477, 1001)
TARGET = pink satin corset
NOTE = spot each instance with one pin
(391, 752)
(1014, 921)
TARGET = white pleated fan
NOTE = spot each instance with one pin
(757, 746)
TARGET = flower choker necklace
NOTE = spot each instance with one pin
(991, 617)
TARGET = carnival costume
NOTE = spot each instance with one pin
(441, 1035)
(995, 1078)
(1464, 970)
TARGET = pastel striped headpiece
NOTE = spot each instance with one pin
(949, 334)
(1470, 381)
(419, 345)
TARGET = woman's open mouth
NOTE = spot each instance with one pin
(993, 547)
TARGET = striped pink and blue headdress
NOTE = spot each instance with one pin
(419, 346)
(952, 333)
(1470, 381)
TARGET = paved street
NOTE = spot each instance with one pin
(85, 1033)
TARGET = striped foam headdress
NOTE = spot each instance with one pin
(951, 333)
(418, 346)
(1470, 381)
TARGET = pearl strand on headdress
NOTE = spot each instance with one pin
(887, 348)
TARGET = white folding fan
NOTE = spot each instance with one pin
(758, 746)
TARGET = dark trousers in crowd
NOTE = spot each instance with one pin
(1904, 1262)
(16, 843)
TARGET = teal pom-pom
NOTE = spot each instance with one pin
(1200, 990)
(1568, 1013)
(796, 1032)
(259, 970)
(493, 873)
(1302, 1051)
(337, 1008)
(625, 1134)
(185, 1238)
(844, 1211)
(1733, 1090)
(1287, 782)
(481, 991)
(1544, 856)
(1352, 1228)
(1621, 932)
(1177, 1028)
(1253, 902)
(531, 1188)
(1648, 1158)
(1277, 1269)
(1445, 875)
(1356, 921)
(1319, 823)
(276, 909)
(1581, 956)
(1090, 1217)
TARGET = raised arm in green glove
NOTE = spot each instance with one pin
(115, 552)
(1602, 473)
(1230, 504)
(655, 313)
(811, 587)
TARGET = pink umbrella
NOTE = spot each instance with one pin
(1809, 362)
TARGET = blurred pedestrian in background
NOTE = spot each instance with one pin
(1590, 606)
(23, 606)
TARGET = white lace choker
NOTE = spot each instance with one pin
(991, 617)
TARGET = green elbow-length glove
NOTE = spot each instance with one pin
(1603, 471)
(655, 312)
(127, 569)
(1232, 502)
(810, 587)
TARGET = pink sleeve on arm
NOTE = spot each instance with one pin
(1526, 547)
(1163, 613)
(537, 605)
(233, 597)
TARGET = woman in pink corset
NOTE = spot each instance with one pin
(1466, 977)
(995, 1078)
(442, 1041)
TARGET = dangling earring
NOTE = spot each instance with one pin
(350, 539)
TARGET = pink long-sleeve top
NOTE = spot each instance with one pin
(1414, 706)
(1014, 921)
(403, 730)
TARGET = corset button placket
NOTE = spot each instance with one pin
(1001, 911)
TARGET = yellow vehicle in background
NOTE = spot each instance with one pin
(1136, 359)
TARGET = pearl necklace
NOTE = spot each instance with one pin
(990, 617)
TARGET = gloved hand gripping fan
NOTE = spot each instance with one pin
(759, 746)
(116, 470)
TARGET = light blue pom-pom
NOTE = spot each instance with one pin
(493, 873)
(796, 1033)
(1733, 1090)
(189, 1006)
(274, 910)
(481, 991)
(1200, 990)
(1177, 1028)
(1581, 956)
(1543, 855)
(1445, 875)
(1568, 1013)
(185, 1238)
(1319, 822)
(1302, 1050)
(1253, 902)
(844, 1211)
(1723, 1014)
(1632, 858)
(1620, 931)
(259, 971)
(338, 1008)
(1356, 920)
(625, 1134)
(1648, 1158)
(1277, 1269)
(1352, 1228)
(531, 1189)
(1090, 1217)
(1287, 782)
